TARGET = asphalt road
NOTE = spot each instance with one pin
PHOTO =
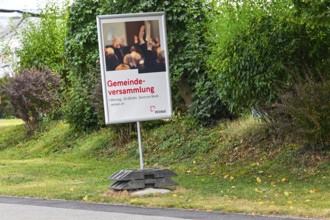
(13, 208)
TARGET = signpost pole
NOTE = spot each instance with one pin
(140, 144)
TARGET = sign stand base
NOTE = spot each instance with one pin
(142, 178)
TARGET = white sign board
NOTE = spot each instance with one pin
(134, 67)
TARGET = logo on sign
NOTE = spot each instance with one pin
(153, 109)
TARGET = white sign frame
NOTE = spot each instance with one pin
(139, 94)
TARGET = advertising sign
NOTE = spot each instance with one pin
(134, 67)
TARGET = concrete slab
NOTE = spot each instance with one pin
(149, 191)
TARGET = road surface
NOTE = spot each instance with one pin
(13, 208)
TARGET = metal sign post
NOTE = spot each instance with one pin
(140, 144)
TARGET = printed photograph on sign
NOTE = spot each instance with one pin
(134, 67)
(133, 45)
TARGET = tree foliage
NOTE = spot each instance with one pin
(42, 40)
(313, 12)
(261, 48)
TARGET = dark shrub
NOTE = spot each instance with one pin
(33, 95)
(304, 114)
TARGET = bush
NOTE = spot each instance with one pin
(5, 110)
(304, 114)
(80, 112)
(261, 48)
(33, 95)
(207, 107)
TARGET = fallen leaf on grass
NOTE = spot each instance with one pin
(313, 191)
(258, 180)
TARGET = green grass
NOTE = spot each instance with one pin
(10, 122)
(230, 167)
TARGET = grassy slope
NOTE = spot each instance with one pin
(234, 166)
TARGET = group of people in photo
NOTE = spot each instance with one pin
(145, 54)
